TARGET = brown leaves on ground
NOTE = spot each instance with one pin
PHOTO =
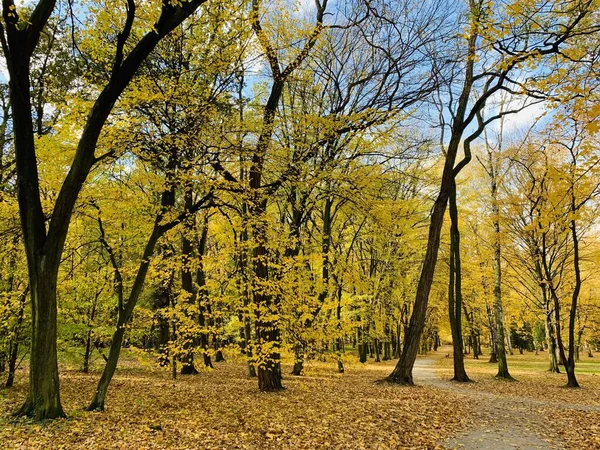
(222, 409)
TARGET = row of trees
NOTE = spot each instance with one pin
(191, 175)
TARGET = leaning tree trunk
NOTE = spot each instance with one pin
(125, 311)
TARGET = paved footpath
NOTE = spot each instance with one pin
(498, 422)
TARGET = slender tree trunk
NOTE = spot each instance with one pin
(498, 307)
(125, 310)
(455, 292)
(13, 354)
(554, 368)
(202, 297)
(187, 285)
(570, 363)
(88, 340)
(338, 315)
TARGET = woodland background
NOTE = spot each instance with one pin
(317, 183)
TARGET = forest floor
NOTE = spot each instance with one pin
(222, 409)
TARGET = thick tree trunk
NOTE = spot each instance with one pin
(266, 315)
(43, 400)
(266, 308)
(44, 246)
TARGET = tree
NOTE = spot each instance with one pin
(20, 34)
(497, 55)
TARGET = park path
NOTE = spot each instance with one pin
(498, 422)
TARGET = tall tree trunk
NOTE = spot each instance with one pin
(187, 285)
(266, 310)
(338, 316)
(570, 362)
(266, 324)
(402, 373)
(202, 295)
(455, 292)
(498, 307)
(43, 399)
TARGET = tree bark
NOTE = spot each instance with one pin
(187, 284)
(202, 295)
(455, 292)
(498, 307)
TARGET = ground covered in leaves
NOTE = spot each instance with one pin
(223, 409)
(572, 415)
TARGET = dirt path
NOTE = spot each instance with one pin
(499, 422)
